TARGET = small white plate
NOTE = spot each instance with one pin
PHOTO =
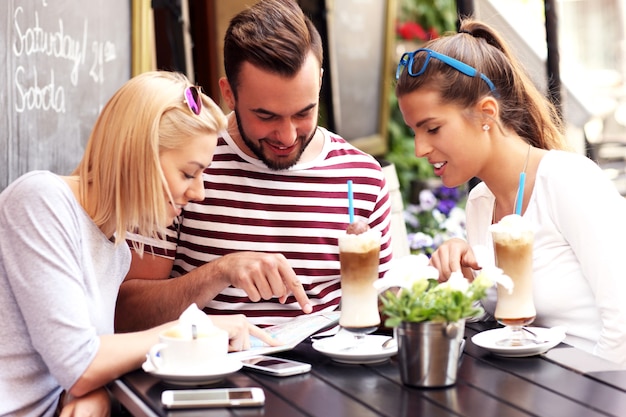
(204, 375)
(342, 348)
(488, 339)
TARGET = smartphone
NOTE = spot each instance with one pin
(213, 397)
(271, 365)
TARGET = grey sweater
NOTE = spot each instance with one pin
(59, 279)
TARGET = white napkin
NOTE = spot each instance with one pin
(193, 320)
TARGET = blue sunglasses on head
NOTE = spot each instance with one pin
(407, 61)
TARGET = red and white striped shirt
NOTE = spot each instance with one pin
(298, 212)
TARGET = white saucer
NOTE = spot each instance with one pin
(204, 375)
(341, 348)
(488, 339)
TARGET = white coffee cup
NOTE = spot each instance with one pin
(180, 352)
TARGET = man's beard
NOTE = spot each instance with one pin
(257, 150)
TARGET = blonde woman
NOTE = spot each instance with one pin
(63, 253)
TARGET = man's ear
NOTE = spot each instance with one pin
(227, 93)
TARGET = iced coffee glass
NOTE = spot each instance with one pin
(359, 259)
(513, 239)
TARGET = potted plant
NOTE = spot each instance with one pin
(428, 317)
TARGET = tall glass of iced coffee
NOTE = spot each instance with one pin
(359, 259)
(513, 239)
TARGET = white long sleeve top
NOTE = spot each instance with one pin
(579, 274)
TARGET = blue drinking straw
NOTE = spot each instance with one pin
(350, 202)
(520, 193)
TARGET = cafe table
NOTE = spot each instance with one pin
(561, 382)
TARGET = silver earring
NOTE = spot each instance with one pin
(485, 127)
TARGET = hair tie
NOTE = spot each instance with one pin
(465, 31)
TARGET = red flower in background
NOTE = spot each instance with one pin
(411, 31)
(432, 33)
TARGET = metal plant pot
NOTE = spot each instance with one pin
(428, 353)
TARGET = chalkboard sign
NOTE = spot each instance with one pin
(60, 61)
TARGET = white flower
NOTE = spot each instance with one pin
(407, 270)
(455, 223)
(438, 216)
(428, 201)
(410, 219)
(438, 239)
(456, 282)
(497, 276)
(420, 240)
(490, 270)
(457, 214)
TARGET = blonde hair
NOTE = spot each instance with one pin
(121, 179)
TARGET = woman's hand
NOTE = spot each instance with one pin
(454, 255)
(97, 403)
(239, 331)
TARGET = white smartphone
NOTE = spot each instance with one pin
(271, 365)
(213, 397)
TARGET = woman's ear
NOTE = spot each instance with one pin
(488, 109)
